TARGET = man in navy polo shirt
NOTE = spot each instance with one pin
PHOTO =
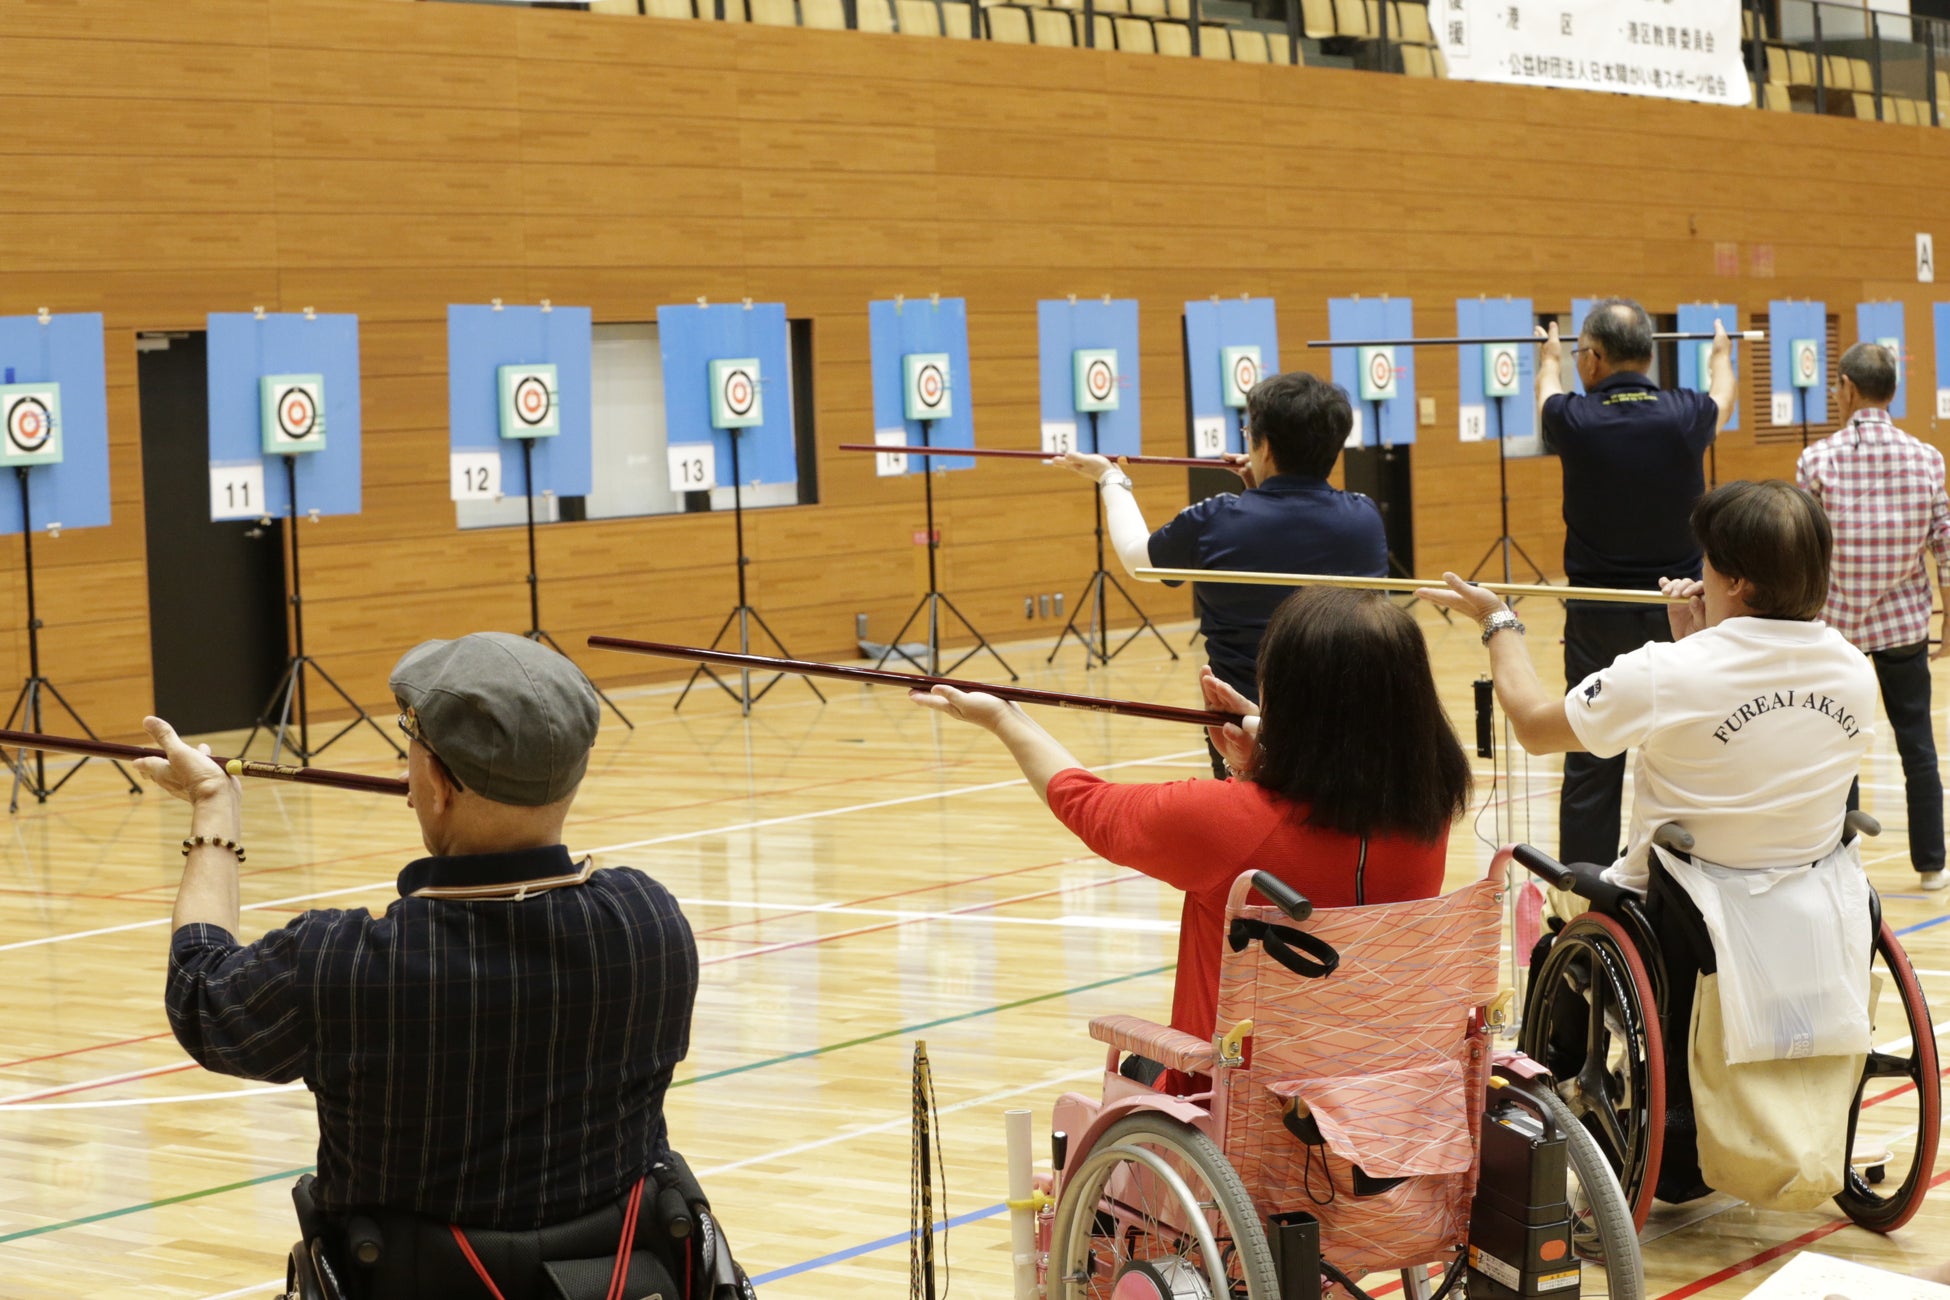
(1288, 520)
(1631, 453)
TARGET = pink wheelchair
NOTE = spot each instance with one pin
(1348, 1118)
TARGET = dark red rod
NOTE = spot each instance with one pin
(234, 766)
(1001, 454)
(913, 681)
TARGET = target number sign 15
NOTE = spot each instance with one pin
(530, 402)
(237, 491)
(925, 386)
(735, 399)
(1059, 436)
(1377, 374)
(693, 466)
(1095, 373)
(33, 424)
(291, 413)
(1500, 370)
(474, 476)
(1804, 363)
(1238, 372)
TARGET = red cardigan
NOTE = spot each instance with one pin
(1199, 835)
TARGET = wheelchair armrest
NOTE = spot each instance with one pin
(1673, 836)
(1861, 823)
(1172, 1048)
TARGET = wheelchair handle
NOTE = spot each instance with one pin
(1284, 896)
(1505, 1089)
(1673, 836)
(1539, 863)
(1861, 823)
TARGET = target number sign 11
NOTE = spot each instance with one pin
(530, 402)
(693, 466)
(1238, 372)
(237, 491)
(1500, 369)
(735, 399)
(1377, 374)
(33, 424)
(925, 386)
(1095, 371)
(291, 413)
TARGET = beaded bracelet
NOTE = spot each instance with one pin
(215, 842)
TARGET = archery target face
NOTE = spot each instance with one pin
(33, 424)
(1500, 370)
(291, 413)
(1804, 363)
(530, 402)
(1095, 379)
(925, 384)
(1377, 374)
(735, 399)
(1238, 372)
(1895, 347)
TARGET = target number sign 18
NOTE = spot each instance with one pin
(889, 464)
(1804, 363)
(925, 386)
(1377, 374)
(530, 402)
(735, 400)
(693, 466)
(1238, 372)
(1095, 371)
(1471, 426)
(291, 413)
(33, 416)
(474, 476)
(1895, 347)
(1500, 370)
(237, 491)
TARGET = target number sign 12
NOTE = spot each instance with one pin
(474, 476)
(237, 491)
(1095, 371)
(735, 399)
(1238, 372)
(1500, 370)
(926, 386)
(1804, 363)
(693, 466)
(291, 413)
(530, 402)
(1377, 374)
(33, 424)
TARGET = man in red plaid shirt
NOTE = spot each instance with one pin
(1884, 494)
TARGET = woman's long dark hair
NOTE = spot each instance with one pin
(1350, 724)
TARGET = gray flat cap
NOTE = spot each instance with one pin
(512, 719)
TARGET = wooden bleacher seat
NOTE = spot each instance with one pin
(1411, 23)
(826, 15)
(668, 9)
(1052, 27)
(630, 7)
(1007, 24)
(1837, 73)
(1317, 19)
(1148, 8)
(917, 17)
(1249, 45)
(770, 13)
(1179, 9)
(956, 20)
(1857, 102)
(1113, 6)
(1801, 68)
(1212, 42)
(1172, 38)
(1134, 36)
(1909, 112)
(1777, 66)
(875, 16)
(1355, 18)
(1105, 31)
(1775, 98)
(1419, 60)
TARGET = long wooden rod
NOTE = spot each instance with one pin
(235, 766)
(1004, 454)
(912, 681)
(1621, 595)
(1674, 336)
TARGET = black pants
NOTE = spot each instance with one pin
(1588, 806)
(1903, 673)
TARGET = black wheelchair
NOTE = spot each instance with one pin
(1609, 1013)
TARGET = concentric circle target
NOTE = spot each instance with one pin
(1099, 380)
(29, 424)
(532, 400)
(297, 413)
(740, 393)
(1505, 366)
(1245, 373)
(1805, 362)
(1381, 370)
(931, 385)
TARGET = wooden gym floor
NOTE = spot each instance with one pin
(859, 875)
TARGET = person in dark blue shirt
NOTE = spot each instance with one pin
(1630, 452)
(1288, 520)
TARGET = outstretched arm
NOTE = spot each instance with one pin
(208, 893)
(1719, 375)
(1130, 537)
(1037, 753)
(1550, 365)
(1536, 712)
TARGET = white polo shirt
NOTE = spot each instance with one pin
(1748, 735)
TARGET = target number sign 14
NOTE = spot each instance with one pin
(1804, 363)
(1377, 374)
(474, 476)
(693, 466)
(33, 416)
(1238, 372)
(530, 402)
(1095, 372)
(1500, 370)
(888, 464)
(925, 386)
(291, 413)
(735, 399)
(237, 491)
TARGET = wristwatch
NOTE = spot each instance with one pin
(1116, 478)
(1497, 622)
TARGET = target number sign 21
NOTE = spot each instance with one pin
(33, 424)
(1238, 372)
(291, 413)
(1377, 374)
(735, 399)
(1095, 372)
(1500, 370)
(925, 386)
(1804, 363)
(530, 402)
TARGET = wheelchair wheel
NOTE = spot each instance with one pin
(1898, 1106)
(1603, 1235)
(1594, 1025)
(1155, 1211)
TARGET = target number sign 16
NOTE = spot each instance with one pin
(237, 491)
(1500, 370)
(474, 476)
(925, 386)
(1377, 374)
(33, 424)
(735, 399)
(1238, 372)
(291, 413)
(693, 466)
(1804, 363)
(530, 402)
(888, 464)
(1209, 437)
(1095, 372)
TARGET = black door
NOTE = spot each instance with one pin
(216, 591)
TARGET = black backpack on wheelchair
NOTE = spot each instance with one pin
(659, 1243)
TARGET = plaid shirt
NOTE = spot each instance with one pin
(1883, 491)
(497, 1064)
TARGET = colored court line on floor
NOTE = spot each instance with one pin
(154, 1205)
(869, 1247)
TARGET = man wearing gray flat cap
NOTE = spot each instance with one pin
(491, 1052)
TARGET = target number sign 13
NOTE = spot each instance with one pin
(1500, 370)
(291, 413)
(33, 416)
(237, 491)
(925, 386)
(1238, 372)
(1377, 374)
(1095, 371)
(693, 466)
(1804, 363)
(530, 402)
(474, 476)
(735, 399)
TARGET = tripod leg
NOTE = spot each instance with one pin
(1144, 619)
(86, 730)
(360, 715)
(784, 653)
(23, 775)
(699, 670)
(894, 646)
(1070, 628)
(981, 642)
(549, 641)
(1535, 568)
(270, 709)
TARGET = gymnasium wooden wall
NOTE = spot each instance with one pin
(388, 158)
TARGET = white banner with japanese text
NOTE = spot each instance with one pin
(1674, 49)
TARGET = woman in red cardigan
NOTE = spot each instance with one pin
(1344, 786)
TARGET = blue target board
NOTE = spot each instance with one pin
(1376, 378)
(691, 338)
(934, 333)
(59, 401)
(1108, 329)
(1882, 322)
(318, 352)
(1940, 317)
(480, 341)
(1699, 318)
(1496, 385)
(1222, 336)
(1797, 350)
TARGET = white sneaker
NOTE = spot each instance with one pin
(1932, 880)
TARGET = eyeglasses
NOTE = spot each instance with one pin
(409, 722)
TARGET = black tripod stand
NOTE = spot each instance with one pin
(291, 685)
(32, 773)
(743, 614)
(1096, 598)
(1505, 542)
(934, 600)
(535, 632)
